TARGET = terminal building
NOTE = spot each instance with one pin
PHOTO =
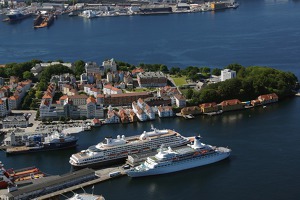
(48, 186)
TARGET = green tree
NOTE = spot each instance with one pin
(189, 93)
(79, 68)
(164, 69)
(28, 75)
(39, 94)
(216, 72)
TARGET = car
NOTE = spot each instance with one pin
(126, 167)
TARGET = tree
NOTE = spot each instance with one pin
(189, 93)
(164, 69)
(216, 72)
(39, 94)
(28, 75)
(79, 67)
(174, 70)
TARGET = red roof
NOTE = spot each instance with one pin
(268, 96)
(230, 102)
(91, 99)
(64, 97)
(207, 105)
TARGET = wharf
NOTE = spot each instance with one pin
(102, 175)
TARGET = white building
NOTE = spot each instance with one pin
(165, 111)
(227, 74)
(15, 121)
(92, 67)
(110, 64)
(109, 89)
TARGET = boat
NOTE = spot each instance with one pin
(86, 196)
(17, 14)
(233, 5)
(168, 160)
(53, 141)
(101, 154)
(88, 14)
(11, 177)
(42, 21)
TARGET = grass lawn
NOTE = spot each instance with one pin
(179, 80)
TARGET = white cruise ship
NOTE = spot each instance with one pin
(116, 150)
(169, 160)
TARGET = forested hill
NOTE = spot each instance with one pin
(249, 84)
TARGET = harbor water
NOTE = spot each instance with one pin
(265, 141)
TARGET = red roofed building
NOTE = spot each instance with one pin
(121, 99)
(13, 102)
(233, 104)
(137, 70)
(209, 107)
(268, 98)
(109, 89)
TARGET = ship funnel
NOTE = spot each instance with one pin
(197, 143)
(123, 137)
(118, 137)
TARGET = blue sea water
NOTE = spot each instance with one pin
(265, 142)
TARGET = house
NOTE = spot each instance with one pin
(167, 91)
(233, 104)
(165, 111)
(180, 100)
(96, 122)
(78, 99)
(268, 98)
(112, 117)
(109, 89)
(157, 101)
(141, 115)
(194, 110)
(209, 107)
(200, 85)
(152, 79)
(91, 68)
(227, 74)
(3, 107)
(123, 116)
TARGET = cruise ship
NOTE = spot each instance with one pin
(116, 150)
(169, 160)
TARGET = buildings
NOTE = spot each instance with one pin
(15, 121)
(209, 107)
(142, 110)
(194, 110)
(268, 98)
(109, 65)
(233, 104)
(41, 66)
(180, 100)
(165, 111)
(124, 99)
(152, 79)
(109, 89)
(227, 74)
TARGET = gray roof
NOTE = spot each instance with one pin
(55, 181)
(151, 75)
(14, 118)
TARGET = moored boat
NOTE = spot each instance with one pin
(168, 160)
(17, 14)
(43, 21)
(53, 141)
(86, 196)
(117, 150)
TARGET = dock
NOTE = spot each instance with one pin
(53, 188)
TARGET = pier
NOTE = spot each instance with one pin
(53, 187)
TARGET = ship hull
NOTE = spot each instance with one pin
(18, 17)
(180, 165)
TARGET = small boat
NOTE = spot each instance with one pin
(233, 5)
(88, 14)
